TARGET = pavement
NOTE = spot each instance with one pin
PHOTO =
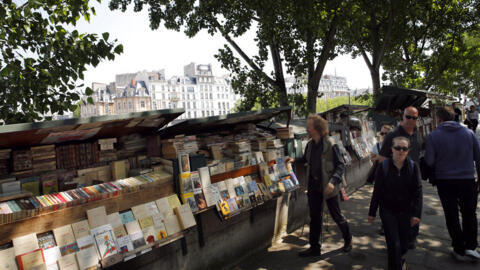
(369, 250)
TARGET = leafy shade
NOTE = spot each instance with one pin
(41, 60)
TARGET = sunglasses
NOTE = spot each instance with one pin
(411, 117)
(401, 148)
(383, 133)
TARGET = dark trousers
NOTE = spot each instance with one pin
(315, 201)
(472, 124)
(454, 194)
(397, 234)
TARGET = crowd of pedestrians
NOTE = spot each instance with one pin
(448, 158)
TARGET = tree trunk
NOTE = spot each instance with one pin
(279, 78)
(312, 91)
(375, 74)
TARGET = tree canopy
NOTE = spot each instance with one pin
(299, 36)
(41, 59)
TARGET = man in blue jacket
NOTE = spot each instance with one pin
(450, 151)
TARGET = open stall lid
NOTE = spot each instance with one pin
(79, 129)
(347, 109)
(222, 122)
(394, 98)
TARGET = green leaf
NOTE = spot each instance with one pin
(105, 35)
(88, 91)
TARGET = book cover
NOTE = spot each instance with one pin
(185, 216)
(135, 233)
(50, 186)
(189, 199)
(200, 199)
(68, 262)
(7, 259)
(127, 217)
(184, 162)
(171, 224)
(46, 240)
(224, 208)
(204, 176)
(139, 211)
(152, 208)
(31, 185)
(222, 187)
(186, 184)
(31, 260)
(173, 201)
(195, 178)
(105, 240)
(163, 205)
(264, 174)
(87, 259)
(24, 244)
(65, 239)
(231, 188)
(212, 195)
(232, 204)
(282, 167)
(124, 243)
(97, 217)
(159, 226)
(51, 257)
(146, 224)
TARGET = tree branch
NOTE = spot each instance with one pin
(239, 50)
(327, 48)
(386, 40)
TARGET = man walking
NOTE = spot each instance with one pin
(324, 172)
(408, 129)
(451, 150)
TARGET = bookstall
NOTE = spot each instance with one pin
(86, 193)
(101, 191)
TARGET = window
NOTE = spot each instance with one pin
(188, 106)
(119, 106)
(201, 87)
(201, 95)
(211, 112)
(163, 96)
(210, 88)
(208, 113)
(203, 113)
(195, 114)
(189, 115)
(183, 96)
(194, 106)
(219, 105)
(164, 105)
(124, 105)
(211, 96)
(130, 105)
(142, 104)
(163, 87)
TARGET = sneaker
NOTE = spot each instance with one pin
(459, 257)
(473, 254)
(310, 252)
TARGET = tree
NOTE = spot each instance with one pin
(41, 60)
(300, 36)
(370, 32)
(434, 50)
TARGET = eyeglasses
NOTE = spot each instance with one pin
(401, 148)
(411, 117)
(383, 133)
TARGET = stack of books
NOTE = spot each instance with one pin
(22, 160)
(131, 145)
(4, 161)
(259, 145)
(274, 143)
(44, 158)
(107, 150)
(285, 133)
(240, 146)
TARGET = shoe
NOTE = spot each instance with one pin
(404, 264)
(459, 257)
(347, 247)
(310, 252)
(473, 254)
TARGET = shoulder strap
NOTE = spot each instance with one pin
(385, 165)
(411, 166)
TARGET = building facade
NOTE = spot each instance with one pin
(330, 86)
(198, 91)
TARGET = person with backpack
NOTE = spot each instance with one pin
(398, 194)
(324, 170)
(451, 150)
(408, 129)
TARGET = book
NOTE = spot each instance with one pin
(124, 243)
(231, 188)
(163, 205)
(282, 167)
(31, 184)
(146, 224)
(185, 216)
(224, 208)
(199, 199)
(105, 240)
(68, 262)
(186, 184)
(152, 208)
(135, 233)
(171, 224)
(87, 259)
(31, 260)
(46, 240)
(159, 226)
(222, 187)
(97, 217)
(7, 259)
(204, 176)
(65, 239)
(127, 217)
(173, 201)
(51, 257)
(263, 168)
(49, 186)
(25, 244)
(184, 163)
(139, 211)
(189, 199)
(212, 195)
(119, 170)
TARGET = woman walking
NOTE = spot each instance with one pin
(472, 119)
(398, 193)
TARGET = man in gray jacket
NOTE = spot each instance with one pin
(451, 150)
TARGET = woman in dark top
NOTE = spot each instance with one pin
(398, 192)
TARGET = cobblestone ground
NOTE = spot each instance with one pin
(369, 250)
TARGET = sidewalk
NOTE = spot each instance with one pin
(369, 251)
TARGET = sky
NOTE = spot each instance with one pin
(145, 49)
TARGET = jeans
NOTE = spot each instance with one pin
(397, 234)
(455, 194)
(315, 201)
